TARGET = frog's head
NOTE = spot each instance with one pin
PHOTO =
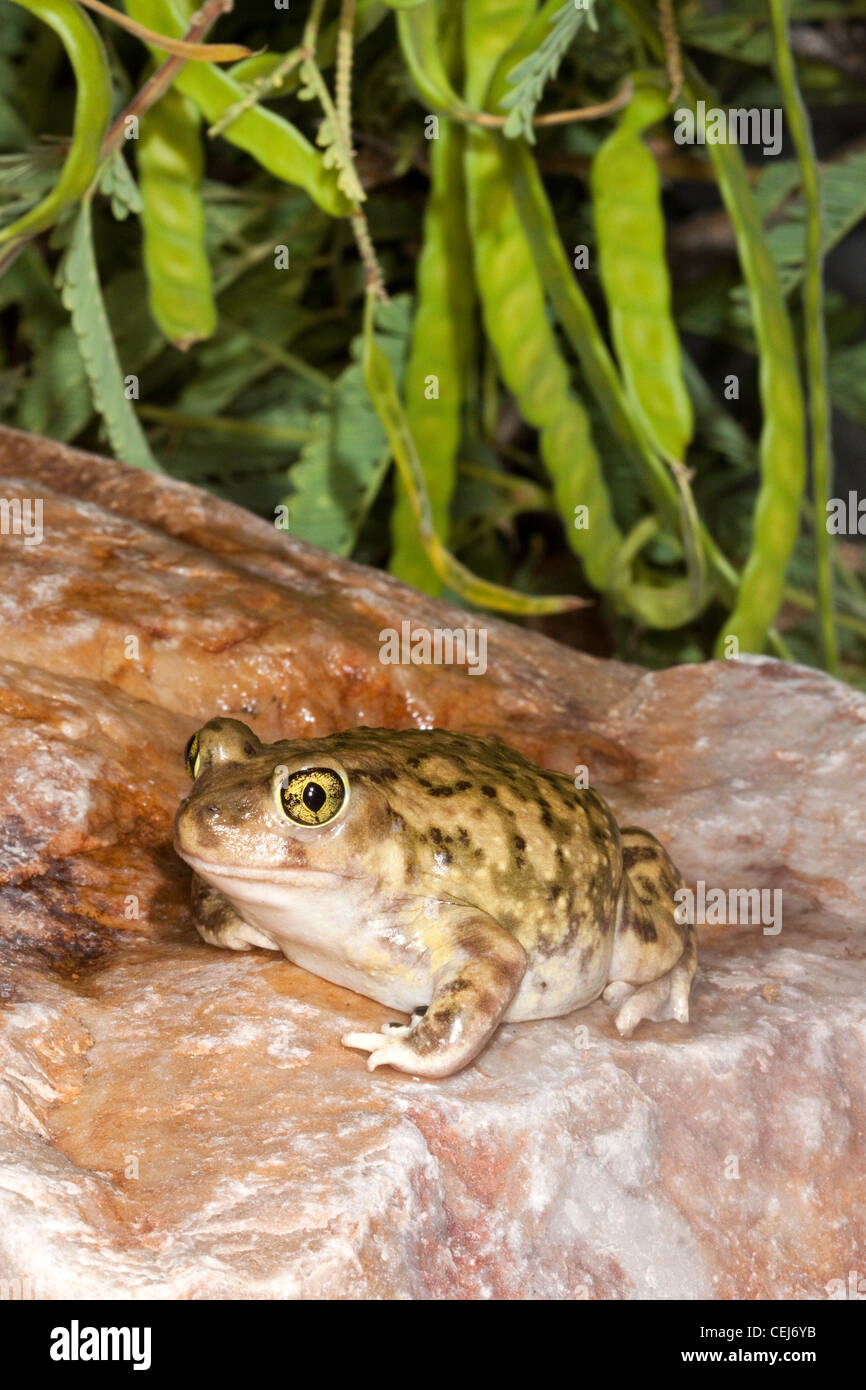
(259, 811)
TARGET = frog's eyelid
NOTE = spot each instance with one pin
(282, 775)
(191, 755)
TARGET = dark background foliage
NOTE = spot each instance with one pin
(271, 409)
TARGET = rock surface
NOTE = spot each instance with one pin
(177, 1121)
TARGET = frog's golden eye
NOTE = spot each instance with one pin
(313, 796)
(190, 756)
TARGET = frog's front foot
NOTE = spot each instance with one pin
(471, 995)
(218, 924)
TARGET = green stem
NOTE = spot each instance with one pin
(262, 87)
(530, 496)
(296, 365)
(220, 424)
(813, 305)
(343, 74)
(311, 28)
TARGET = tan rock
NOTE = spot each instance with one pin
(177, 1121)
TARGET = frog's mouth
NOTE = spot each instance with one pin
(219, 875)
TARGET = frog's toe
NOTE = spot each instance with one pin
(403, 1053)
(617, 991)
(368, 1042)
(386, 1049)
(235, 936)
(664, 998)
(391, 1056)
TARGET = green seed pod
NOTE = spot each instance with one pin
(443, 338)
(170, 167)
(515, 313)
(86, 53)
(277, 145)
(782, 448)
(630, 227)
(439, 359)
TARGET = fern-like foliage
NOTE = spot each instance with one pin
(337, 155)
(79, 286)
(345, 462)
(848, 381)
(531, 76)
(120, 187)
(843, 190)
(330, 136)
(843, 197)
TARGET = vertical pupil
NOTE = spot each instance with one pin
(314, 797)
(190, 753)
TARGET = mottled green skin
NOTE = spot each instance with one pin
(457, 876)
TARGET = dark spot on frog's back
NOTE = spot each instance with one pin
(638, 854)
(488, 791)
(670, 882)
(598, 825)
(638, 908)
(647, 889)
(564, 791)
(375, 775)
(642, 925)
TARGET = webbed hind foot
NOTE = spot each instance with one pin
(664, 998)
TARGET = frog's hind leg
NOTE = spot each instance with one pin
(655, 955)
(477, 969)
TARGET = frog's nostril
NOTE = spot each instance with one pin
(212, 810)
